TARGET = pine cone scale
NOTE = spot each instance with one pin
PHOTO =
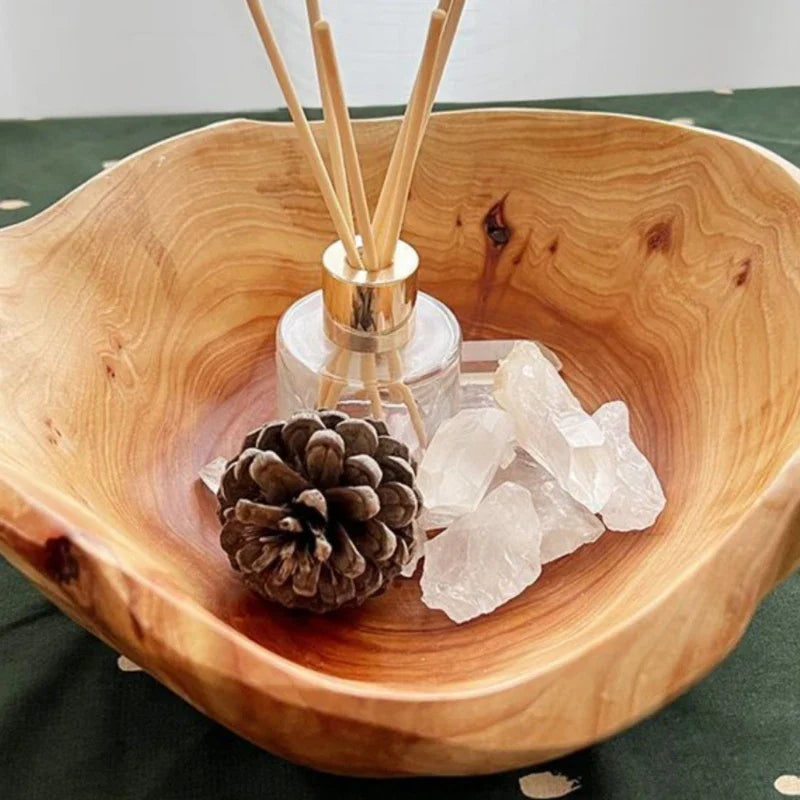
(270, 552)
(358, 503)
(324, 455)
(250, 512)
(359, 437)
(276, 479)
(345, 557)
(398, 504)
(312, 502)
(362, 470)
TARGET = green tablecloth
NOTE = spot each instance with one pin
(73, 726)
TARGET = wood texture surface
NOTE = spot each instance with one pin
(136, 343)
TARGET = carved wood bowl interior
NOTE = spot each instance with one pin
(136, 330)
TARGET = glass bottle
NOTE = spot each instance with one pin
(371, 344)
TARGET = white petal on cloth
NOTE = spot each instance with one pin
(788, 785)
(124, 664)
(546, 785)
(13, 204)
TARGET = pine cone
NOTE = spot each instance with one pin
(319, 512)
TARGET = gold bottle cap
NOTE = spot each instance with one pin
(369, 312)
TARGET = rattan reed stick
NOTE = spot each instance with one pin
(369, 378)
(331, 131)
(407, 396)
(324, 40)
(389, 228)
(389, 186)
(305, 136)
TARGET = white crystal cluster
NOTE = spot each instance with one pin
(462, 557)
(211, 473)
(637, 497)
(566, 524)
(552, 426)
(461, 461)
(542, 502)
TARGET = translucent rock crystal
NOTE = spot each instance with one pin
(485, 558)
(637, 497)
(479, 361)
(402, 428)
(550, 356)
(461, 461)
(211, 473)
(552, 426)
(420, 543)
(566, 524)
(489, 351)
(477, 391)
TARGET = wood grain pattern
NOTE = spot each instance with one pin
(136, 325)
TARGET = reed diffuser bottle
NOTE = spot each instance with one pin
(370, 344)
(367, 341)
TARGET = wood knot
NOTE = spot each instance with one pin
(744, 273)
(498, 231)
(659, 237)
(59, 563)
(53, 433)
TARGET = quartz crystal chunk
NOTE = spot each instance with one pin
(461, 461)
(479, 361)
(637, 498)
(566, 524)
(211, 473)
(418, 552)
(552, 426)
(476, 352)
(477, 391)
(485, 558)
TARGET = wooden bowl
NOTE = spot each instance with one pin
(137, 319)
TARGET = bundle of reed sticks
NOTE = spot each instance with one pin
(342, 188)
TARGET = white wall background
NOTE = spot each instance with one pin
(85, 57)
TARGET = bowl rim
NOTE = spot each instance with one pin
(493, 111)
